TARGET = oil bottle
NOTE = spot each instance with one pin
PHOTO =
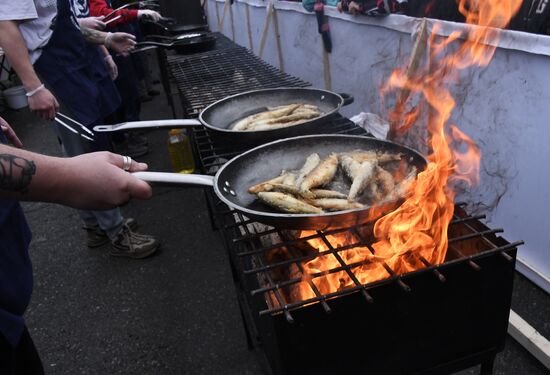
(180, 152)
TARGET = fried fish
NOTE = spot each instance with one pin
(287, 203)
(335, 204)
(322, 174)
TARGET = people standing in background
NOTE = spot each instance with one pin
(129, 107)
(446, 10)
(41, 38)
(129, 21)
(132, 73)
(533, 17)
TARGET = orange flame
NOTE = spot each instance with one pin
(416, 232)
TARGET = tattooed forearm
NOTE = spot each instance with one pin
(15, 173)
(93, 36)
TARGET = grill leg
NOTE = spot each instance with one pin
(487, 367)
(164, 78)
(210, 210)
(249, 342)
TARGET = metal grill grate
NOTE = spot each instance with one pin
(223, 42)
(249, 249)
(207, 77)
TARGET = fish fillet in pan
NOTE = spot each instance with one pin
(322, 174)
(360, 174)
(278, 117)
(287, 203)
(335, 204)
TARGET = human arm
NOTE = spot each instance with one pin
(101, 8)
(10, 134)
(119, 42)
(89, 181)
(111, 65)
(95, 23)
(43, 103)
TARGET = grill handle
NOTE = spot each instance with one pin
(182, 123)
(175, 178)
(348, 99)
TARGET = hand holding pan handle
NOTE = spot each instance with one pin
(148, 125)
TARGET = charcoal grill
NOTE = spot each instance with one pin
(435, 320)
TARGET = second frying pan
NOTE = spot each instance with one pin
(218, 117)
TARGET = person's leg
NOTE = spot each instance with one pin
(27, 360)
(7, 357)
(110, 221)
(20, 360)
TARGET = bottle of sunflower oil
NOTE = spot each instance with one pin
(179, 149)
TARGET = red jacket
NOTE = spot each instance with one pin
(100, 8)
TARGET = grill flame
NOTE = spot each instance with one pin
(416, 232)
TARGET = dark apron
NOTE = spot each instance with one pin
(128, 76)
(76, 73)
(15, 268)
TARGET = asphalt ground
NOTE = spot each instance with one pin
(175, 312)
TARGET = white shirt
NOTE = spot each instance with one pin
(36, 25)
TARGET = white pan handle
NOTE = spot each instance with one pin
(175, 178)
(148, 125)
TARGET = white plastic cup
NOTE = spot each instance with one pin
(15, 97)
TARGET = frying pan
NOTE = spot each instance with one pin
(264, 162)
(219, 116)
(182, 44)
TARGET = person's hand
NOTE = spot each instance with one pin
(95, 23)
(10, 134)
(97, 181)
(44, 104)
(149, 14)
(111, 65)
(121, 43)
(354, 8)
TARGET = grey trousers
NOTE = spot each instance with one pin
(110, 221)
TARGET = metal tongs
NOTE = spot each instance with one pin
(140, 4)
(90, 136)
(113, 19)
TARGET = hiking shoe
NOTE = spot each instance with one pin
(96, 237)
(133, 245)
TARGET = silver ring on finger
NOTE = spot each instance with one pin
(126, 163)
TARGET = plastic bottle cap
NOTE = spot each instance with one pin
(174, 131)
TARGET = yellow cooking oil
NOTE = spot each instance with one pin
(179, 149)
